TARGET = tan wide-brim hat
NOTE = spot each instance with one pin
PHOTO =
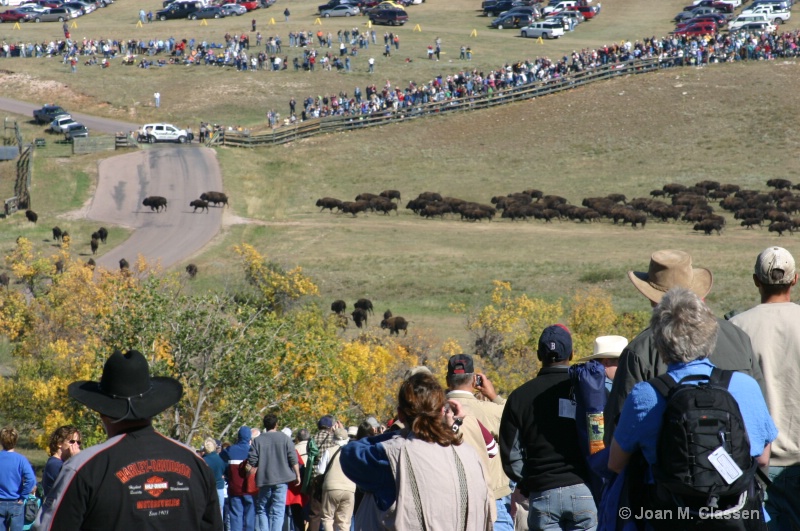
(671, 269)
(607, 347)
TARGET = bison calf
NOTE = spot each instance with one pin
(32, 216)
(395, 324)
(199, 203)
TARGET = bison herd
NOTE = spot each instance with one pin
(157, 203)
(361, 312)
(677, 202)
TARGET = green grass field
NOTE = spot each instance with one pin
(731, 123)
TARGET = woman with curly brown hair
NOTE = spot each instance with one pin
(421, 477)
(64, 443)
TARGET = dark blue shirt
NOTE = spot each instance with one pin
(51, 470)
(366, 464)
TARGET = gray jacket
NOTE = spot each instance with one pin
(640, 362)
(275, 456)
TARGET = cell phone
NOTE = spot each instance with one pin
(478, 381)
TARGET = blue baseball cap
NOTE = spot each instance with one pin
(555, 344)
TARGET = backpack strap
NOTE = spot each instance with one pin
(720, 378)
(663, 384)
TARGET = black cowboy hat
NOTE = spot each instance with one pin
(126, 390)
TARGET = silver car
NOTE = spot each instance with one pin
(56, 14)
(234, 9)
(342, 10)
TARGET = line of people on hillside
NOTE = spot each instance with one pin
(668, 432)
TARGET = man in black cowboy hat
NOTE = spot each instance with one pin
(137, 479)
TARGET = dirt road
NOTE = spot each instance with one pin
(180, 174)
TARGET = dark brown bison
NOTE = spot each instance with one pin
(364, 304)
(749, 223)
(391, 194)
(191, 270)
(90, 263)
(32, 216)
(708, 226)
(199, 203)
(95, 243)
(59, 266)
(338, 306)
(387, 314)
(780, 227)
(155, 202)
(123, 265)
(351, 207)
(57, 234)
(103, 232)
(329, 203)
(535, 194)
(395, 324)
(366, 196)
(215, 197)
(381, 204)
(359, 317)
(780, 184)
(4, 280)
(430, 196)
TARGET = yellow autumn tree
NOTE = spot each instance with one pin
(592, 314)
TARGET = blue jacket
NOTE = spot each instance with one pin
(17, 479)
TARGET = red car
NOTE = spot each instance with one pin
(702, 28)
(717, 18)
(588, 12)
(724, 7)
(14, 15)
(248, 4)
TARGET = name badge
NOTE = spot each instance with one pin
(725, 465)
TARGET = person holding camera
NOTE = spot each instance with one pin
(462, 381)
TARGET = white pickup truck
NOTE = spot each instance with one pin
(774, 14)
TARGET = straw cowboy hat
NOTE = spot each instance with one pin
(126, 391)
(669, 269)
(607, 347)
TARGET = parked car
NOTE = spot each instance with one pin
(391, 17)
(696, 12)
(31, 11)
(342, 10)
(75, 10)
(500, 7)
(512, 20)
(588, 12)
(47, 113)
(559, 6)
(723, 7)
(60, 124)
(756, 27)
(75, 130)
(544, 29)
(234, 9)
(15, 15)
(741, 20)
(178, 10)
(87, 7)
(775, 15)
(696, 30)
(56, 14)
(249, 5)
(719, 19)
(207, 12)
(164, 133)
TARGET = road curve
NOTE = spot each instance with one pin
(94, 123)
(180, 174)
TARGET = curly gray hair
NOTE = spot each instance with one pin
(684, 329)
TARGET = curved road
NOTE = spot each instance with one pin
(179, 173)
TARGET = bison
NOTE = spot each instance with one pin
(387, 314)
(32, 216)
(354, 207)
(359, 317)
(391, 194)
(59, 266)
(329, 203)
(215, 197)
(90, 263)
(395, 324)
(123, 265)
(4, 280)
(103, 234)
(364, 304)
(199, 203)
(708, 226)
(57, 234)
(338, 306)
(779, 184)
(95, 243)
(191, 270)
(366, 196)
(155, 202)
(780, 227)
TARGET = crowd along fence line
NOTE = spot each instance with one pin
(331, 124)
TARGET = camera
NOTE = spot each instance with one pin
(478, 381)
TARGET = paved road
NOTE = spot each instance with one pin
(179, 173)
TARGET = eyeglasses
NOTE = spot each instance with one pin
(73, 441)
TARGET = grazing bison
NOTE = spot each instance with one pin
(391, 194)
(103, 234)
(155, 202)
(215, 197)
(4, 280)
(387, 314)
(123, 265)
(780, 227)
(359, 317)
(90, 263)
(57, 234)
(191, 270)
(329, 203)
(95, 243)
(364, 304)
(395, 324)
(32, 216)
(199, 203)
(338, 306)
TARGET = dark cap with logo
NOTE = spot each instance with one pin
(460, 364)
(555, 344)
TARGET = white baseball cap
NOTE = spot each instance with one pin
(775, 265)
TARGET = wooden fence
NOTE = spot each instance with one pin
(330, 124)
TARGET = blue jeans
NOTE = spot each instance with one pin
(570, 507)
(504, 521)
(12, 515)
(783, 498)
(270, 507)
(242, 513)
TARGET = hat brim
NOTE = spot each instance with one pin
(602, 355)
(164, 392)
(701, 284)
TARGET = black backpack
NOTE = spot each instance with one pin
(698, 420)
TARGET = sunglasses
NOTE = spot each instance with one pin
(73, 441)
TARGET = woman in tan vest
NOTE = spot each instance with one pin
(421, 477)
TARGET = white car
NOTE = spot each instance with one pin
(164, 133)
(61, 123)
(775, 15)
(545, 29)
